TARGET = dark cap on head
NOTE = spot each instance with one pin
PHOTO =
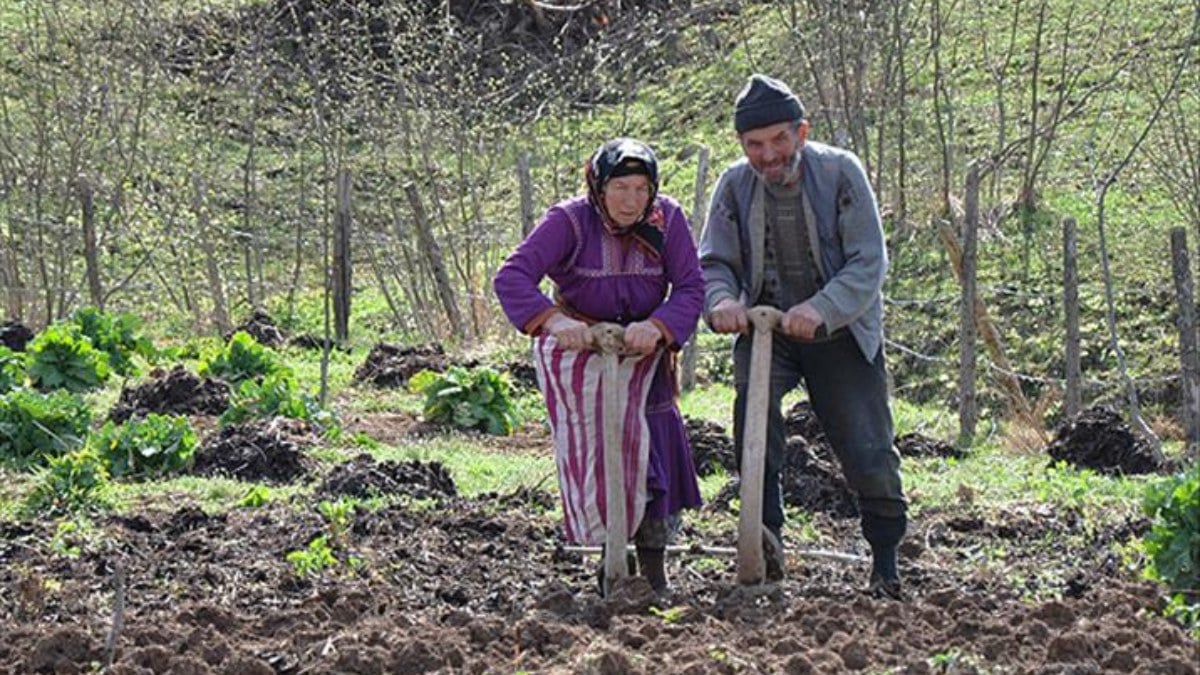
(623, 157)
(765, 101)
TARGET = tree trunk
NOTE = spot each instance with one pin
(220, 311)
(87, 201)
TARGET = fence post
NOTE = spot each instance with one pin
(687, 370)
(1073, 400)
(341, 259)
(1187, 340)
(968, 411)
(526, 181)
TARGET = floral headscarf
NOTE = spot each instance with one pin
(625, 156)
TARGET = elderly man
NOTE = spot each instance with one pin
(794, 224)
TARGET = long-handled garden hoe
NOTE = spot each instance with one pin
(609, 342)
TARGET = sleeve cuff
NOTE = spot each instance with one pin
(534, 325)
(668, 336)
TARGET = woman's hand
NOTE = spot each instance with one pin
(642, 337)
(571, 334)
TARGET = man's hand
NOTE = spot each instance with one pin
(642, 337)
(729, 316)
(801, 322)
(571, 334)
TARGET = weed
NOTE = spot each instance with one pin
(36, 426)
(314, 559)
(256, 497)
(476, 398)
(155, 445)
(70, 483)
(63, 358)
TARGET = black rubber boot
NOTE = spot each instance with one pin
(884, 535)
(652, 564)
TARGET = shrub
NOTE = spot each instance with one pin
(70, 483)
(243, 358)
(12, 370)
(1173, 543)
(62, 358)
(478, 398)
(35, 426)
(114, 334)
(276, 396)
(156, 445)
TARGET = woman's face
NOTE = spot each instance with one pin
(626, 198)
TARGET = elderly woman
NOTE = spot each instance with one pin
(622, 254)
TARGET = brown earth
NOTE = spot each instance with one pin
(264, 450)
(485, 586)
(389, 365)
(15, 335)
(262, 328)
(1100, 440)
(178, 392)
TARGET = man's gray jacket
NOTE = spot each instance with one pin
(844, 228)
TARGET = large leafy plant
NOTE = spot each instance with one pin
(276, 396)
(114, 334)
(12, 369)
(477, 398)
(243, 358)
(35, 426)
(61, 357)
(1173, 543)
(155, 445)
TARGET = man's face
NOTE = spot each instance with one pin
(774, 152)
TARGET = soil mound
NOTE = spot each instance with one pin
(919, 445)
(178, 392)
(315, 342)
(15, 335)
(271, 451)
(363, 477)
(1100, 440)
(712, 447)
(813, 481)
(522, 374)
(262, 328)
(390, 365)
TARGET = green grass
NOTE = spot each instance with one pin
(475, 469)
(211, 494)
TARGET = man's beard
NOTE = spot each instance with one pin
(787, 176)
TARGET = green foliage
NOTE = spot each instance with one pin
(12, 370)
(339, 516)
(1173, 543)
(476, 398)
(242, 359)
(256, 497)
(115, 334)
(314, 559)
(70, 483)
(34, 426)
(276, 396)
(63, 358)
(156, 445)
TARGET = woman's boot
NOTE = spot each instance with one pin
(652, 564)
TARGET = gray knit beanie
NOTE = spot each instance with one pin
(765, 101)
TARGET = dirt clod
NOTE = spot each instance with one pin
(263, 450)
(1100, 440)
(389, 365)
(365, 477)
(712, 447)
(262, 328)
(178, 392)
(15, 335)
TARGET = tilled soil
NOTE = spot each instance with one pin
(476, 586)
(264, 450)
(712, 447)
(262, 328)
(364, 477)
(178, 392)
(389, 365)
(15, 335)
(1100, 440)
